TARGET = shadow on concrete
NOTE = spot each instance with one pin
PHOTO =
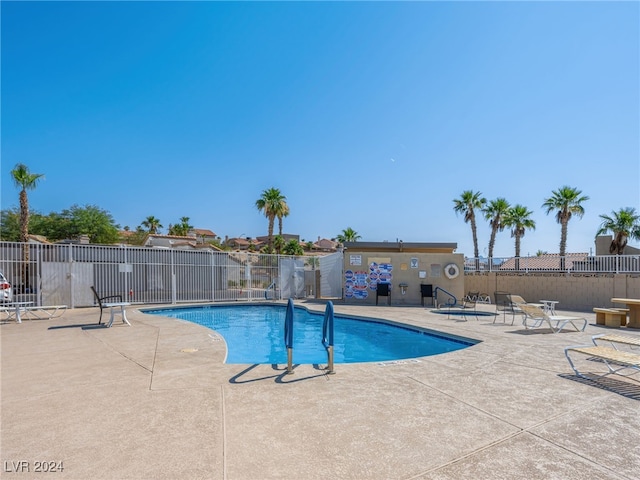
(611, 384)
(83, 326)
(282, 377)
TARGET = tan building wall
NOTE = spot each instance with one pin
(407, 269)
(578, 292)
(604, 241)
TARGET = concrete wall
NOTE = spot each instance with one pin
(406, 269)
(578, 292)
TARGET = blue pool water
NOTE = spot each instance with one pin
(255, 334)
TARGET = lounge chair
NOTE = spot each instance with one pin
(45, 312)
(383, 290)
(536, 317)
(101, 301)
(484, 298)
(615, 360)
(615, 339)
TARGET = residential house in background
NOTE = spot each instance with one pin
(326, 245)
(175, 241)
(203, 235)
(243, 243)
(544, 262)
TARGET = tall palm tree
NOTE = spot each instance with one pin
(518, 219)
(348, 235)
(152, 224)
(467, 204)
(625, 224)
(270, 203)
(25, 180)
(494, 212)
(566, 202)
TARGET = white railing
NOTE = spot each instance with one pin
(555, 263)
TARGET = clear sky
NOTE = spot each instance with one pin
(373, 116)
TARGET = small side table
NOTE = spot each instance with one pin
(118, 308)
(550, 306)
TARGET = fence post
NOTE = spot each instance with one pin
(174, 294)
(70, 277)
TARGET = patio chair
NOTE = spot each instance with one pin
(508, 303)
(383, 290)
(536, 317)
(426, 291)
(100, 300)
(468, 304)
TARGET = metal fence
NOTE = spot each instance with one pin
(63, 274)
(554, 263)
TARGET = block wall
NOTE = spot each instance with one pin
(578, 292)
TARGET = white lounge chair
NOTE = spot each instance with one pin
(44, 312)
(536, 317)
(615, 360)
(615, 339)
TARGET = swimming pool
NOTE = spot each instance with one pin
(255, 334)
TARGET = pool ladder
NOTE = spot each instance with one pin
(327, 336)
(288, 335)
(270, 287)
(451, 299)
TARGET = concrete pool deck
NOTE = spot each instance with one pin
(156, 401)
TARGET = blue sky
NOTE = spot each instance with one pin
(373, 116)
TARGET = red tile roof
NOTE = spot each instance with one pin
(549, 261)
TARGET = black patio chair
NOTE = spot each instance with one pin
(383, 290)
(100, 299)
(426, 291)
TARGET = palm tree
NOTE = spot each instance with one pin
(270, 203)
(152, 224)
(495, 212)
(566, 201)
(348, 235)
(293, 247)
(625, 224)
(518, 218)
(283, 211)
(182, 229)
(468, 202)
(25, 180)
(278, 243)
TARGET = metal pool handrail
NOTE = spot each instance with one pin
(266, 290)
(288, 335)
(327, 335)
(449, 300)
